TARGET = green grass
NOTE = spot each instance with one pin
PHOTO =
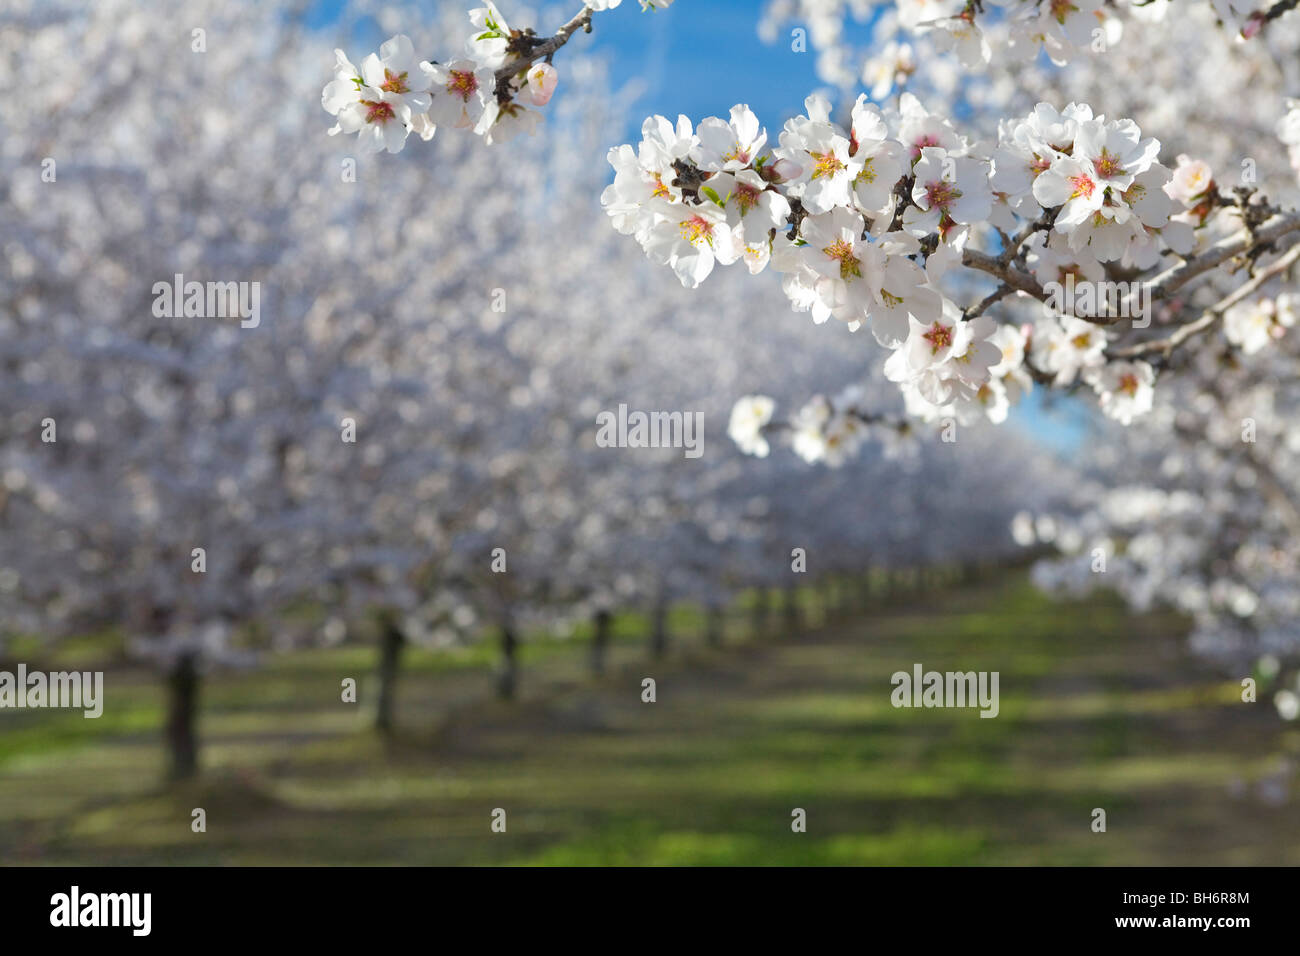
(1098, 709)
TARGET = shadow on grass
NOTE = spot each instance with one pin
(1098, 709)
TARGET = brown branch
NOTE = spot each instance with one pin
(1163, 284)
(1177, 276)
(997, 295)
(545, 48)
(1211, 315)
(1275, 11)
(995, 266)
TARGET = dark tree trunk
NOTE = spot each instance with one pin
(600, 641)
(715, 625)
(659, 628)
(760, 612)
(182, 710)
(864, 591)
(508, 678)
(391, 643)
(792, 615)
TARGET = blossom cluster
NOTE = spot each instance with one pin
(971, 33)
(393, 94)
(820, 206)
(824, 430)
(904, 32)
(1103, 182)
(866, 215)
(865, 221)
(1253, 324)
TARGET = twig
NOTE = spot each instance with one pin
(1017, 280)
(1177, 276)
(997, 295)
(546, 48)
(1211, 315)
(1162, 285)
(1275, 11)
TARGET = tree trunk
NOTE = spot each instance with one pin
(600, 641)
(391, 643)
(792, 616)
(182, 708)
(760, 611)
(508, 678)
(715, 625)
(826, 601)
(659, 628)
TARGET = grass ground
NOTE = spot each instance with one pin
(1098, 709)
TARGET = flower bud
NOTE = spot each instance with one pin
(541, 83)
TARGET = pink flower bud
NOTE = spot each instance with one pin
(541, 83)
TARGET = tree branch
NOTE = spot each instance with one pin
(1211, 315)
(1177, 276)
(1275, 11)
(1163, 284)
(545, 49)
(997, 295)
(995, 266)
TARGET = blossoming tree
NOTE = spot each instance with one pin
(414, 393)
(999, 223)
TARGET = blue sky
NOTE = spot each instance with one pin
(701, 57)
